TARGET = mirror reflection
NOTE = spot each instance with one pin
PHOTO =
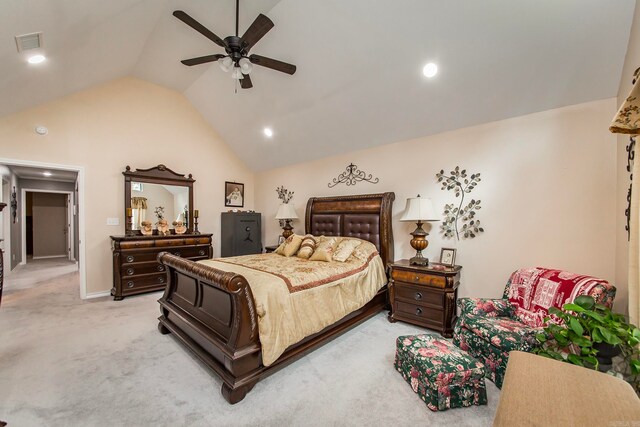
(172, 201)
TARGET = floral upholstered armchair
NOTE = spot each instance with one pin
(489, 329)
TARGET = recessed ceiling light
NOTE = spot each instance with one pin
(430, 70)
(47, 173)
(36, 59)
(268, 132)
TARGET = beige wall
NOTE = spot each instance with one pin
(126, 122)
(547, 192)
(632, 61)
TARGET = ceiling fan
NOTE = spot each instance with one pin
(237, 48)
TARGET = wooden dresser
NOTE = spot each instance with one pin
(135, 269)
(424, 296)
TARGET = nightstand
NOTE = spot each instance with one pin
(269, 249)
(424, 296)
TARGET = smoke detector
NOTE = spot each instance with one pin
(29, 41)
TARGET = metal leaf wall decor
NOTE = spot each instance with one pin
(458, 181)
(351, 176)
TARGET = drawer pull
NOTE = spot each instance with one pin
(160, 268)
(160, 279)
(176, 253)
(201, 252)
(417, 278)
(418, 296)
(130, 271)
(129, 285)
(130, 258)
(418, 311)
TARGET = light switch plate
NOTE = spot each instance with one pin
(113, 221)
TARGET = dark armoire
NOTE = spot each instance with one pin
(241, 233)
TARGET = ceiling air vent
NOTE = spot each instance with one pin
(29, 41)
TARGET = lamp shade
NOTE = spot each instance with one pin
(286, 211)
(419, 209)
(627, 119)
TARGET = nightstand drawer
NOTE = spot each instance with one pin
(419, 295)
(419, 278)
(418, 312)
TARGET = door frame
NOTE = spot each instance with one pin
(70, 235)
(82, 252)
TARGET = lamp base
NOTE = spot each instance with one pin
(287, 229)
(419, 260)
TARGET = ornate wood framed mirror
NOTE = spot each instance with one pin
(158, 188)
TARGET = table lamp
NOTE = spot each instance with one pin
(286, 212)
(419, 209)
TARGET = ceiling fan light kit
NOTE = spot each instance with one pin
(237, 58)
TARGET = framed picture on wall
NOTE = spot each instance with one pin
(448, 257)
(234, 194)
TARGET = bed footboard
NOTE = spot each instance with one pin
(212, 313)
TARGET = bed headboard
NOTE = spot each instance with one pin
(366, 216)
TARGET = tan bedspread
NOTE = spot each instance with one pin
(296, 298)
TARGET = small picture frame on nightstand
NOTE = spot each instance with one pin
(448, 257)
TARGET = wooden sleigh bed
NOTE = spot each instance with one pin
(212, 312)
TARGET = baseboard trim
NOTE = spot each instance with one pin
(49, 256)
(98, 294)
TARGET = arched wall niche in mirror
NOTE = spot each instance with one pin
(157, 191)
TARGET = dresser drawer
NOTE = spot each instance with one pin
(197, 241)
(169, 242)
(140, 282)
(419, 295)
(189, 251)
(418, 312)
(137, 244)
(141, 268)
(419, 278)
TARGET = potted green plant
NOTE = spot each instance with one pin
(586, 331)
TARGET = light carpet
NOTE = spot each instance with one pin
(68, 362)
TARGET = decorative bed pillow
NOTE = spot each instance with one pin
(345, 249)
(325, 249)
(307, 246)
(290, 246)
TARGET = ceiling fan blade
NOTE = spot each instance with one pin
(181, 15)
(256, 31)
(274, 64)
(245, 82)
(202, 59)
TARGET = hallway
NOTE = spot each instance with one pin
(35, 272)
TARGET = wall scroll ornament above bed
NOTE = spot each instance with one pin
(457, 180)
(351, 176)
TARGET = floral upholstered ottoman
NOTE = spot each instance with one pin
(443, 375)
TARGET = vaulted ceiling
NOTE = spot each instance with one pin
(359, 81)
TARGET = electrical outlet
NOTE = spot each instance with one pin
(113, 221)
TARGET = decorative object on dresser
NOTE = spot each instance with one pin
(234, 194)
(164, 190)
(196, 215)
(179, 227)
(448, 257)
(352, 176)
(424, 296)
(458, 182)
(241, 233)
(146, 228)
(287, 213)
(135, 268)
(212, 312)
(419, 209)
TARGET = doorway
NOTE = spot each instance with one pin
(48, 230)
